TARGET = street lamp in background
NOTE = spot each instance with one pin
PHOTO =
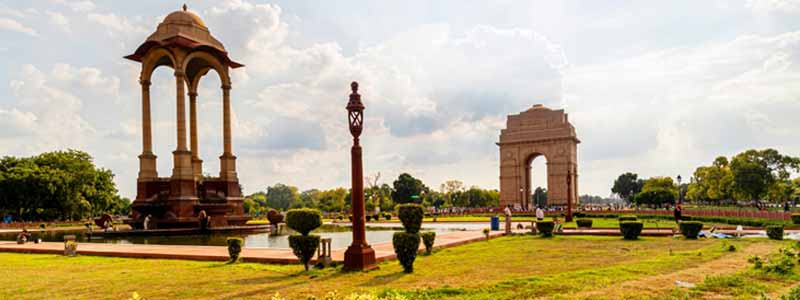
(680, 190)
(359, 256)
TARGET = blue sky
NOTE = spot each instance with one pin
(656, 88)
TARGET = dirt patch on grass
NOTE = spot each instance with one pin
(664, 284)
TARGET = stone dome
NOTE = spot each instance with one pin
(187, 30)
(184, 17)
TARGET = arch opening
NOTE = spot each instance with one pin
(536, 181)
(163, 111)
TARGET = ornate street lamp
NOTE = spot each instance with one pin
(568, 218)
(359, 256)
(680, 190)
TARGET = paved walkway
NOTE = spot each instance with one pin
(383, 251)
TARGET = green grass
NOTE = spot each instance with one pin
(503, 268)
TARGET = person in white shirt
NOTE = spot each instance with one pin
(539, 214)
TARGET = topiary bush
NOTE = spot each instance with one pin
(584, 223)
(304, 247)
(411, 216)
(428, 237)
(234, 248)
(545, 228)
(368, 218)
(691, 229)
(406, 245)
(627, 218)
(274, 217)
(303, 220)
(387, 217)
(775, 232)
(796, 219)
(630, 229)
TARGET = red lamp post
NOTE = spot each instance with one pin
(568, 218)
(359, 256)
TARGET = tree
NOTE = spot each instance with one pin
(62, 185)
(281, 196)
(627, 185)
(656, 192)
(540, 197)
(405, 187)
(755, 172)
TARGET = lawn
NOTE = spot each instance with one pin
(503, 268)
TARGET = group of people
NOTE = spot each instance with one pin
(25, 236)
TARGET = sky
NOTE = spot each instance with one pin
(655, 88)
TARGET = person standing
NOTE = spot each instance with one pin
(677, 212)
(507, 212)
(539, 213)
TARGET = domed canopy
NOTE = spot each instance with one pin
(183, 29)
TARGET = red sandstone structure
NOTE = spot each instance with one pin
(535, 132)
(183, 42)
(359, 256)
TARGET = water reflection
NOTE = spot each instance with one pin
(341, 236)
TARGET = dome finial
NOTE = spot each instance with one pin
(185, 7)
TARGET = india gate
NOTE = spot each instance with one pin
(538, 131)
(183, 43)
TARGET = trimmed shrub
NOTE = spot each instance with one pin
(796, 219)
(406, 245)
(274, 217)
(340, 217)
(630, 229)
(387, 217)
(545, 228)
(411, 216)
(691, 229)
(368, 217)
(428, 237)
(234, 248)
(304, 247)
(376, 217)
(775, 232)
(627, 218)
(303, 220)
(584, 223)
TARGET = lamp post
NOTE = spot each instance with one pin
(522, 199)
(359, 256)
(568, 218)
(680, 190)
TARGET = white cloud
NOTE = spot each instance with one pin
(13, 25)
(58, 19)
(773, 6)
(76, 5)
(115, 24)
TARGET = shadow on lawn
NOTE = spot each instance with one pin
(384, 279)
(303, 277)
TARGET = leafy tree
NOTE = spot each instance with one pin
(281, 196)
(656, 192)
(256, 204)
(756, 171)
(405, 187)
(627, 185)
(58, 185)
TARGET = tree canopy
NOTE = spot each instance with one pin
(627, 185)
(60, 185)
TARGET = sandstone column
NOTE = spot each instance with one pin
(182, 167)
(147, 160)
(197, 163)
(227, 168)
